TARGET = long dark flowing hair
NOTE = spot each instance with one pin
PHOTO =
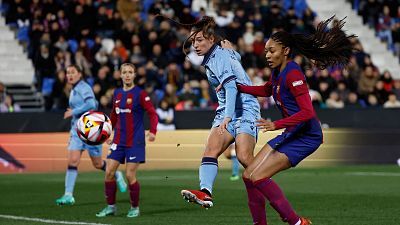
(326, 47)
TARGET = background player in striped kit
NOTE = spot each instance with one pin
(302, 134)
(235, 116)
(81, 100)
(128, 145)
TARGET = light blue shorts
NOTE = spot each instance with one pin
(75, 143)
(242, 122)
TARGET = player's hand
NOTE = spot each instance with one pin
(265, 125)
(151, 137)
(109, 141)
(224, 125)
(226, 44)
(68, 113)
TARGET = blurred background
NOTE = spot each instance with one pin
(354, 174)
(358, 105)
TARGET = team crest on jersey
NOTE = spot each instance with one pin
(128, 101)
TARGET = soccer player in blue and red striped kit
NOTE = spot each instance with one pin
(129, 104)
(302, 134)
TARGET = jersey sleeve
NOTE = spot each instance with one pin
(227, 79)
(148, 106)
(296, 82)
(113, 114)
(298, 87)
(260, 91)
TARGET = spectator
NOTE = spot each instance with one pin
(392, 102)
(367, 81)
(396, 88)
(380, 93)
(60, 92)
(2, 92)
(45, 65)
(352, 101)
(387, 80)
(188, 95)
(165, 116)
(334, 101)
(9, 105)
(372, 101)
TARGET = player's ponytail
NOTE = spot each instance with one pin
(326, 47)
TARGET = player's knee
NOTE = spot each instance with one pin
(131, 177)
(244, 159)
(246, 174)
(98, 165)
(73, 162)
(110, 175)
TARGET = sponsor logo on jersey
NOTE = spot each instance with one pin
(147, 99)
(118, 110)
(297, 83)
(117, 101)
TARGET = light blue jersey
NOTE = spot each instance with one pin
(223, 68)
(81, 100)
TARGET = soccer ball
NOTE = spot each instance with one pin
(94, 128)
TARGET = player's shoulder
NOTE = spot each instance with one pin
(293, 71)
(82, 87)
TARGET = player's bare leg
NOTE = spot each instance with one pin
(216, 145)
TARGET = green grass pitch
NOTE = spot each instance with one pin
(347, 195)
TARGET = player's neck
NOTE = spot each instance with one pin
(283, 65)
(128, 87)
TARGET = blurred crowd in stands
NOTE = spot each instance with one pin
(384, 17)
(99, 35)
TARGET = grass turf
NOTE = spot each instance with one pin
(351, 195)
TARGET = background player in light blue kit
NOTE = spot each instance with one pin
(81, 100)
(235, 116)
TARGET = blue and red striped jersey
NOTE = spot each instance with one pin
(127, 116)
(290, 92)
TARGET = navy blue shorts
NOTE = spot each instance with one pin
(135, 154)
(296, 147)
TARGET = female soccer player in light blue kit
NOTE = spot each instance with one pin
(81, 100)
(235, 116)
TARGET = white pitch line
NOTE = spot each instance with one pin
(47, 221)
(384, 174)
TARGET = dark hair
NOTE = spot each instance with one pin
(78, 68)
(207, 25)
(327, 47)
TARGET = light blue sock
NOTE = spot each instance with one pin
(235, 166)
(208, 172)
(70, 178)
